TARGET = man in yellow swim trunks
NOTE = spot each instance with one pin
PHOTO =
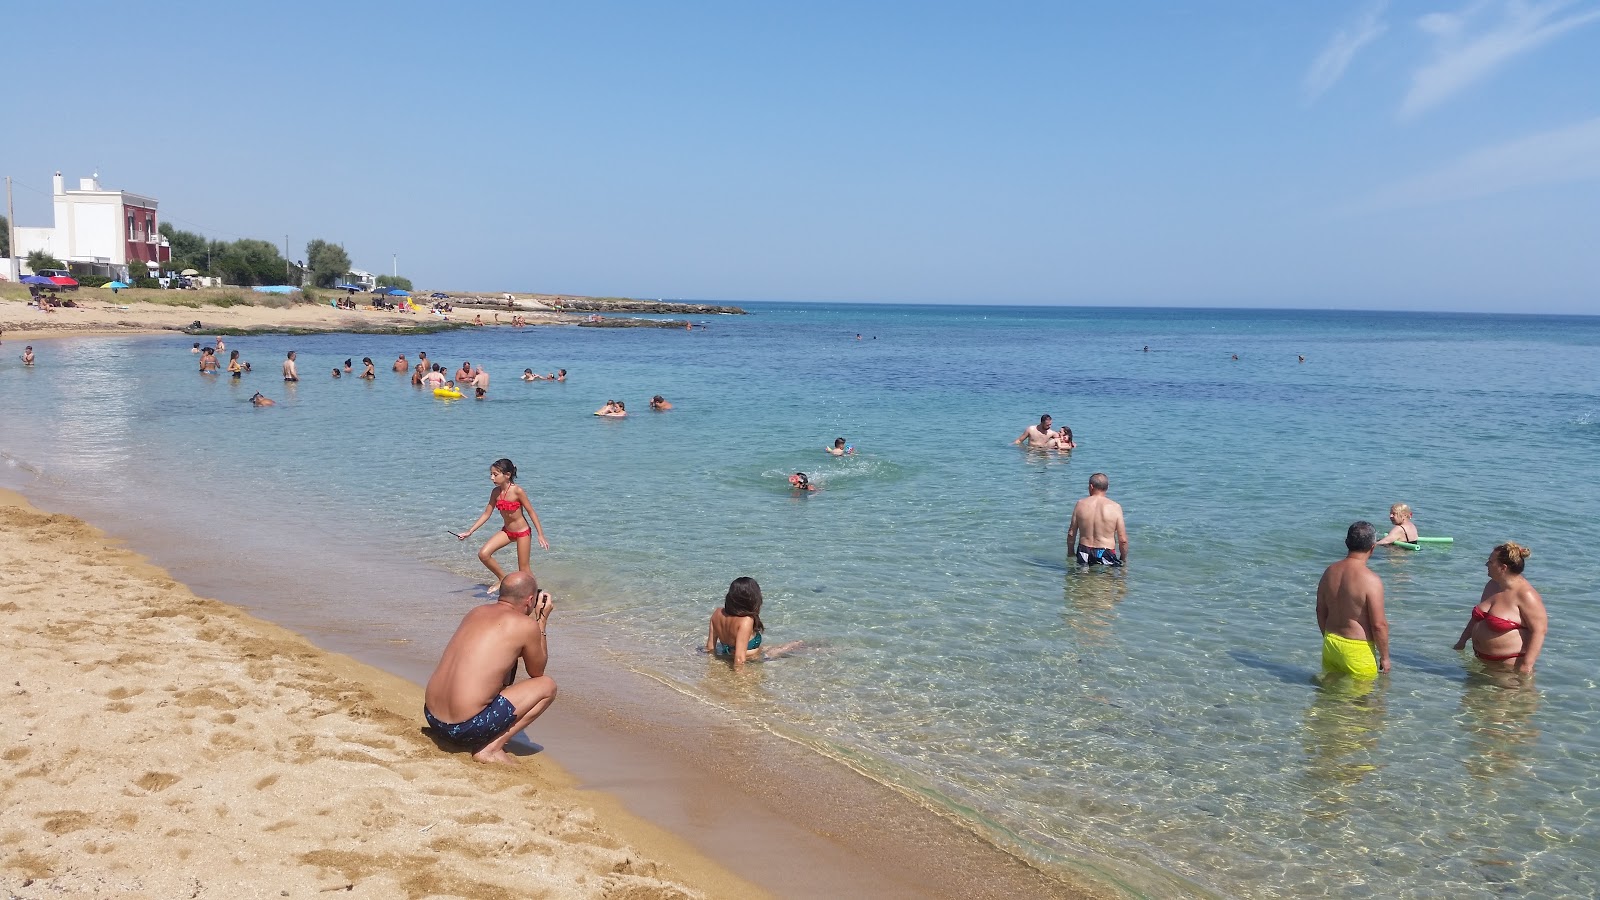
(1350, 611)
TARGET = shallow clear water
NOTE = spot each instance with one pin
(1163, 717)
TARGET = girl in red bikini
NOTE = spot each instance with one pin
(512, 502)
(1508, 625)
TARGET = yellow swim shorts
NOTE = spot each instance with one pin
(1350, 657)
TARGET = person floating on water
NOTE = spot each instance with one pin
(1508, 624)
(259, 400)
(512, 501)
(1037, 435)
(800, 481)
(839, 448)
(336, 372)
(1404, 528)
(1350, 611)
(1097, 534)
(736, 627)
(473, 698)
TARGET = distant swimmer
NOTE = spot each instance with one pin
(1302, 359)
(839, 448)
(220, 345)
(1509, 624)
(465, 372)
(259, 400)
(527, 375)
(1404, 528)
(349, 367)
(27, 355)
(1350, 611)
(612, 410)
(1037, 435)
(1236, 357)
(659, 403)
(516, 512)
(736, 628)
(235, 367)
(400, 365)
(1147, 348)
(368, 372)
(336, 373)
(208, 362)
(1097, 534)
(800, 481)
(195, 348)
(290, 373)
(561, 374)
(473, 698)
(480, 381)
(435, 379)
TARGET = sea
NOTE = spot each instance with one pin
(1165, 719)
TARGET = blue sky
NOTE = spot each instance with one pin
(1413, 155)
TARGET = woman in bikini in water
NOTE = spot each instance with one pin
(1508, 625)
(512, 502)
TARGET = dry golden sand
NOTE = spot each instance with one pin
(159, 744)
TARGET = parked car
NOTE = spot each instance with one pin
(61, 277)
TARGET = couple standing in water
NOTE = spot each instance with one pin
(1507, 627)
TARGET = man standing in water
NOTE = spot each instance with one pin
(1350, 611)
(289, 371)
(1037, 435)
(1097, 535)
(473, 685)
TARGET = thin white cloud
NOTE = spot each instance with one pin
(1330, 64)
(1560, 156)
(1467, 49)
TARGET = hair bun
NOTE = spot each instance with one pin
(1516, 552)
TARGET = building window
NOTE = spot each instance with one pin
(130, 227)
(150, 228)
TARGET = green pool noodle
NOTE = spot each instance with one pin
(1407, 545)
(1435, 540)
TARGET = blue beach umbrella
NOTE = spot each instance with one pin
(38, 279)
(396, 292)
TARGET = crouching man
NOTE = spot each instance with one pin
(473, 698)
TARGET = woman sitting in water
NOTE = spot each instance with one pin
(1404, 529)
(1509, 621)
(516, 512)
(736, 628)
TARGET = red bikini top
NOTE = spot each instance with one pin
(1495, 622)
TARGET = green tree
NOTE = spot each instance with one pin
(248, 261)
(395, 281)
(40, 259)
(188, 249)
(5, 238)
(328, 262)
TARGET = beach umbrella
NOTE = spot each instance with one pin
(185, 273)
(38, 279)
(396, 292)
(114, 285)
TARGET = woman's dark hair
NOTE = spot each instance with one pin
(233, 354)
(744, 599)
(367, 360)
(347, 363)
(505, 465)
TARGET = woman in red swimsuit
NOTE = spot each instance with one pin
(512, 502)
(1508, 625)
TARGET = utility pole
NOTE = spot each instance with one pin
(396, 272)
(13, 271)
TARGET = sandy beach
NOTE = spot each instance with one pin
(100, 312)
(149, 724)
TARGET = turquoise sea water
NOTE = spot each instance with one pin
(1161, 720)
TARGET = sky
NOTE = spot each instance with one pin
(1240, 153)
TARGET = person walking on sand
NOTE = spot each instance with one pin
(1508, 625)
(1037, 435)
(1097, 534)
(1350, 611)
(473, 698)
(290, 373)
(512, 501)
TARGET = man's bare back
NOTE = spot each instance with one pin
(471, 697)
(1350, 603)
(1097, 525)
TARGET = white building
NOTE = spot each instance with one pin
(97, 231)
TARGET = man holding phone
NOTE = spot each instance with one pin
(473, 698)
